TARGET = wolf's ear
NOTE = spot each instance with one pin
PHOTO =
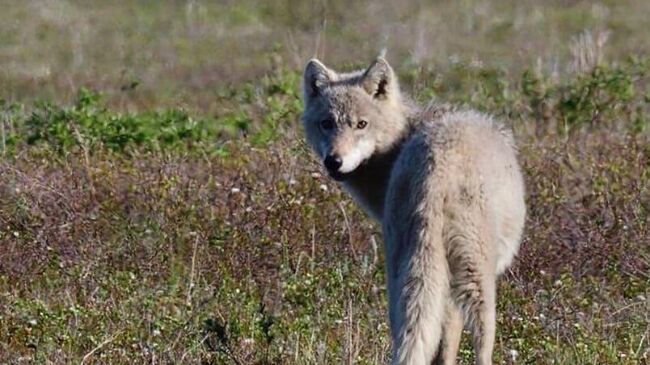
(379, 80)
(316, 77)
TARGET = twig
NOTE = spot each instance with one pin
(98, 347)
(313, 246)
(84, 147)
(192, 348)
(350, 315)
(4, 138)
(320, 37)
(190, 288)
(631, 305)
(374, 250)
(638, 350)
(349, 229)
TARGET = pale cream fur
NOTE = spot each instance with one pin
(449, 193)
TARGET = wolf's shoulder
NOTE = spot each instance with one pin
(446, 125)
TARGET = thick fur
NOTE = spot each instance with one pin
(449, 193)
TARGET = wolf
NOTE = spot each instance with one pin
(447, 188)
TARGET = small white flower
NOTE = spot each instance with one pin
(235, 190)
(293, 182)
(323, 187)
(16, 234)
(514, 354)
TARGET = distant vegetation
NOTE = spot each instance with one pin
(607, 96)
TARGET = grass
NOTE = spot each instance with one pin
(185, 53)
(170, 211)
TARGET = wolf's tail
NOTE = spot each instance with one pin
(418, 273)
(422, 300)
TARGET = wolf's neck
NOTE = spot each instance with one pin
(368, 183)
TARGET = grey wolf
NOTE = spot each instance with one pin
(448, 191)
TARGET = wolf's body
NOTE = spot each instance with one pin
(446, 187)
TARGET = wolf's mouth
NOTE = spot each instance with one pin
(338, 176)
(342, 176)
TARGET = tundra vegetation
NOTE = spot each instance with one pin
(158, 203)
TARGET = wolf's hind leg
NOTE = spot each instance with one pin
(473, 287)
(482, 318)
(452, 331)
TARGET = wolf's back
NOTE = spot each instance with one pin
(453, 219)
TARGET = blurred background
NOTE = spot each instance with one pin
(181, 53)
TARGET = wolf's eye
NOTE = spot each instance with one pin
(327, 124)
(362, 124)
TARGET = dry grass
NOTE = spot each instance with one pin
(183, 53)
(163, 258)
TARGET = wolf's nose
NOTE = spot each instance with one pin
(333, 162)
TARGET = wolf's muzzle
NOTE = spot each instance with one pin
(333, 163)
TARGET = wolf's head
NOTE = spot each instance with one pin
(349, 117)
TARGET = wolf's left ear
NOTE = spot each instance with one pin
(379, 80)
(316, 77)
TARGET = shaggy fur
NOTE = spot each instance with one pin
(449, 193)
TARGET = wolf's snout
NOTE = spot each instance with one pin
(333, 162)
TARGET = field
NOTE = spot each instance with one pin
(158, 203)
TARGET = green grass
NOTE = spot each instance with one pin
(136, 237)
(158, 203)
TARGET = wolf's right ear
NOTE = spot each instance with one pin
(316, 77)
(379, 80)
